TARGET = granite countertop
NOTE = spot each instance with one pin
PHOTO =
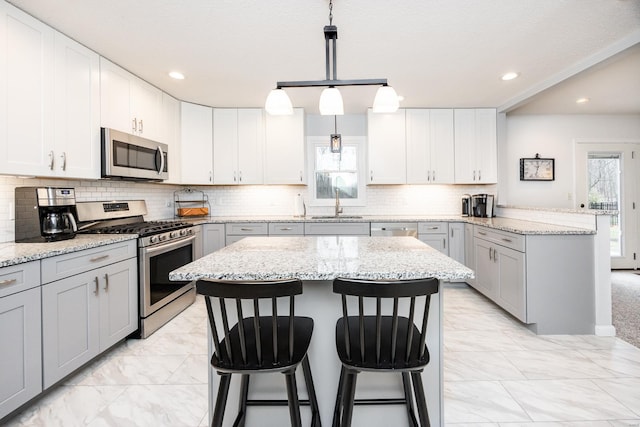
(499, 223)
(324, 258)
(17, 253)
(562, 210)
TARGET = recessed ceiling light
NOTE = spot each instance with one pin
(509, 76)
(582, 100)
(176, 75)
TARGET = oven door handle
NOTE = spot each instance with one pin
(150, 251)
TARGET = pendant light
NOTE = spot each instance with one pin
(278, 102)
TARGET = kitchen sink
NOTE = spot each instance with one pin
(337, 217)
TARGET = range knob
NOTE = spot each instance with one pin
(154, 239)
(174, 234)
(162, 237)
(183, 232)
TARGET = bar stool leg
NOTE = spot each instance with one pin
(311, 391)
(408, 396)
(292, 396)
(421, 401)
(242, 405)
(221, 400)
(338, 408)
(348, 397)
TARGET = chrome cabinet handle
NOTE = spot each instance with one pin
(97, 289)
(433, 176)
(371, 176)
(286, 229)
(490, 249)
(507, 240)
(141, 127)
(246, 229)
(444, 243)
(234, 176)
(482, 233)
(8, 282)
(479, 175)
(240, 176)
(98, 258)
(134, 125)
(433, 228)
(452, 232)
(51, 160)
(63, 156)
(300, 176)
(106, 282)
(210, 176)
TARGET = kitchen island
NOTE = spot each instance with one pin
(317, 261)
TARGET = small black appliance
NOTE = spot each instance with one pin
(45, 214)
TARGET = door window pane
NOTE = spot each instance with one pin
(336, 171)
(604, 191)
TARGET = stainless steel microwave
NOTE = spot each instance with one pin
(132, 157)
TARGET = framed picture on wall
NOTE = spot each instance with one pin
(537, 169)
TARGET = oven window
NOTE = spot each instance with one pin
(136, 157)
(161, 265)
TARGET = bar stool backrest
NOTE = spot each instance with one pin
(388, 326)
(258, 340)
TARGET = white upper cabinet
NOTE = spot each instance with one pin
(26, 94)
(475, 146)
(238, 141)
(128, 103)
(387, 148)
(430, 146)
(196, 138)
(76, 110)
(171, 136)
(285, 154)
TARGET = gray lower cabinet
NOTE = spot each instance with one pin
(337, 229)
(213, 238)
(469, 251)
(84, 314)
(20, 336)
(435, 234)
(286, 229)
(239, 230)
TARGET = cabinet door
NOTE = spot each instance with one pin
(511, 278)
(469, 250)
(456, 241)
(251, 146)
(171, 136)
(284, 153)
(387, 148)
(213, 238)
(486, 146)
(146, 107)
(436, 241)
(115, 97)
(465, 146)
(26, 94)
(70, 319)
(441, 143)
(118, 301)
(77, 110)
(486, 269)
(225, 146)
(197, 144)
(418, 146)
(21, 351)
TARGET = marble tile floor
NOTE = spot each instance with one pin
(497, 374)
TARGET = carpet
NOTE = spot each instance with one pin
(625, 306)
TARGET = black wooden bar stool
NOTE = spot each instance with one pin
(382, 342)
(258, 343)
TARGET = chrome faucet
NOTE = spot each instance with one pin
(338, 208)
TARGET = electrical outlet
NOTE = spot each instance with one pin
(169, 203)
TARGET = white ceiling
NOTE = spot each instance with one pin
(436, 53)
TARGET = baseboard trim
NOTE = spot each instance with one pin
(605, 331)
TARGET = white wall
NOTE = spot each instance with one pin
(553, 136)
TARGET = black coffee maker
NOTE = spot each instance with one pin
(45, 214)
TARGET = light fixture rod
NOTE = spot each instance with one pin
(315, 83)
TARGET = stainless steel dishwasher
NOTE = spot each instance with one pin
(394, 229)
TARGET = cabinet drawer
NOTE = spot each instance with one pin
(247, 229)
(286, 228)
(17, 278)
(59, 267)
(433, 227)
(503, 238)
(337, 229)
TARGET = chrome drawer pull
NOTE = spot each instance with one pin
(482, 233)
(507, 240)
(8, 282)
(286, 229)
(246, 229)
(106, 282)
(99, 258)
(97, 289)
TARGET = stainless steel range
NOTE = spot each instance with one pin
(163, 246)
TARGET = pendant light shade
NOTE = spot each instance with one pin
(278, 103)
(331, 102)
(386, 100)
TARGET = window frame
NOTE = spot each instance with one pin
(360, 142)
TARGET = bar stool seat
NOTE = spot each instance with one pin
(382, 337)
(258, 343)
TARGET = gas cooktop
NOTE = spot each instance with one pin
(144, 228)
